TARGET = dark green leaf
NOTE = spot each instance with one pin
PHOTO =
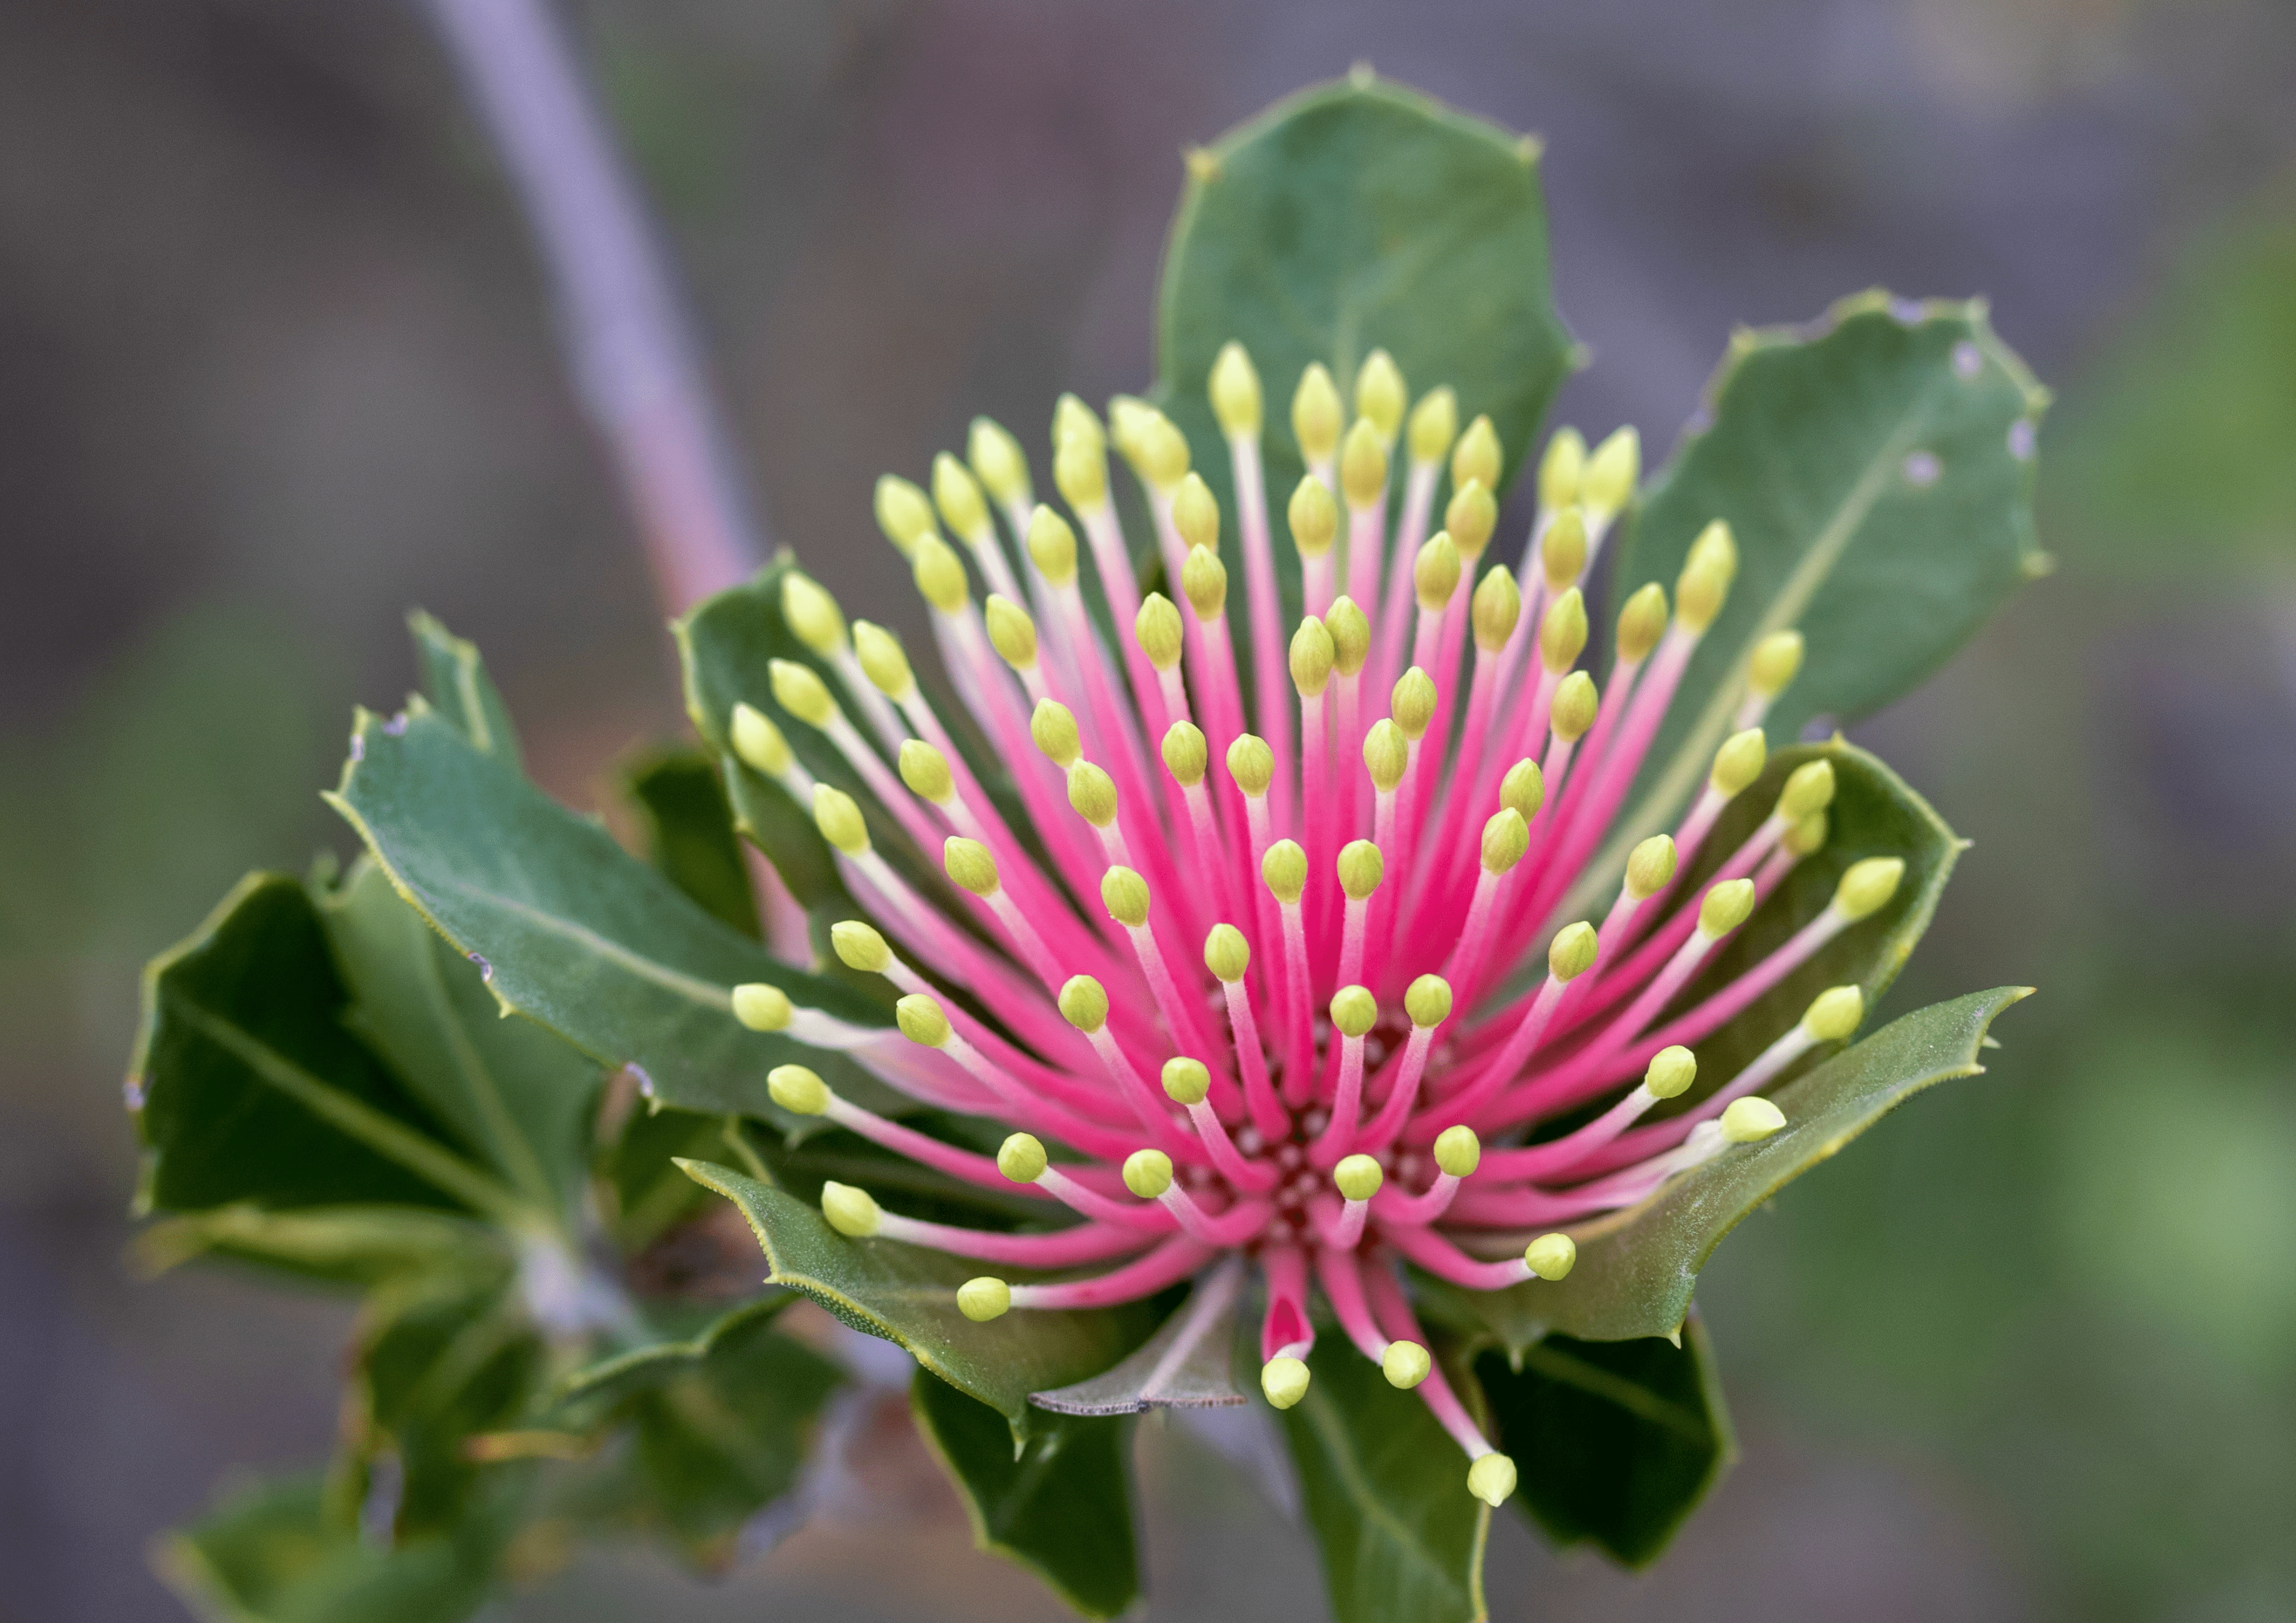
(1386, 1491)
(1060, 1505)
(460, 691)
(1615, 1441)
(639, 1369)
(907, 1294)
(690, 834)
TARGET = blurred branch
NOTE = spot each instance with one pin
(626, 333)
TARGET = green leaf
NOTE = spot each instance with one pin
(1386, 1492)
(1615, 1441)
(355, 1245)
(907, 1294)
(1061, 1505)
(460, 691)
(1877, 471)
(576, 933)
(690, 833)
(1351, 216)
(1186, 1364)
(1637, 1268)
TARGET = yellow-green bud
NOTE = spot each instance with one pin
(1284, 870)
(1562, 549)
(812, 613)
(882, 662)
(1195, 512)
(1809, 787)
(1551, 1255)
(1313, 656)
(1492, 1479)
(1470, 520)
(1413, 703)
(1359, 1176)
(925, 770)
(1186, 1081)
(1867, 886)
(969, 865)
(1497, 606)
(1405, 1364)
(1361, 868)
(1235, 391)
(798, 1090)
(939, 574)
(1363, 465)
(1084, 1004)
(1186, 755)
(1609, 483)
(1355, 1012)
(1573, 710)
(1052, 727)
(1128, 416)
(1435, 574)
(957, 494)
(1671, 1073)
(1147, 1173)
(1738, 762)
(1650, 868)
(998, 460)
(1457, 1151)
(762, 1007)
(1806, 837)
(1051, 547)
(985, 1298)
(1562, 638)
(921, 1020)
(799, 690)
(1704, 584)
(1350, 629)
(1749, 1120)
(1022, 1157)
(1161, 451)
(1571, 953)
(1158, 629)
(1476, 458)
(1523, 790)
(838, 815)
(1284, 1382)
(1379, 394)
(1080, 473)
(903, 512)
(1227, 954)
(1316, 415)
(1774, 663)
(1641, 622)
(1834, 1013)
(1012, 633)
(1434, 424)
(1505, 838)
(758, 742)
(1251, 764)
(1428, 1001)
(1203, 578)
(851, 1212)
(1125, 894)
(1072, 419)
(1725, 907)
(1562, 470)
(859, 946)
(1315, 517)
(1387, 756)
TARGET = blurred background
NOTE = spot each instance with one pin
(276, 364)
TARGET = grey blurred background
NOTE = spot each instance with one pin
(276, 365)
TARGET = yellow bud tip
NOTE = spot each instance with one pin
(1476, 458)
(925, 770)
(1562, 470)
(1186, 755)
(1562, 549)
(1458, 1151)
(1774, 663)
(758, 741)
(1609, 483)
(1381, 394)
(1748, 1121)
(1129, 417)
(761, 1007)
(1010, 632)
(1363, 466)
(1022, 1157)
(1810, 788)
(1361, 868)
(1313, 656)
(1203, 580)
(1806, 837)
(1491, 1479)
(1405, 1364)
(859, 946)
(1571, 953)
(1412, 705)
(998, 461)
(851, 1212)
(1147, 1173)
(1497, 606)
(1834, 1013)
(1072, 419)
(1358, 1177)
(1725, 907)
(1053, 728)
(800, 690)
(1316, 415)
(1084, 1004)
(957, 494)
(1227, 954)
(1650, 868)
(1186, 1081)
(1161, 451)
(1704, 584)
(812, 613)
(940, 576)
(1195, 512)
(1738, 762)
(882, 660)
(1471, 518)
(1251, 764)
(1350, 629)
(798, 1090)
(1434, 424)
(1051, 547)
(1428, 1002)
(1435, 574)
(984, 1298)
(1642, 622)
(1284, 1382)
(838, 815)
(969, 865)
(1354, 1011)
(1080, 471)
(1506, 836)
(1551, 1255)
(1574, 708)
(1125, 894)
(1315, 517)
(1671, 1073)
(1285, 869)
(1562, 638)
(1523, 790)
(1158, 630)
(1867, 886)
(1387, 756)
(1234, 387)
(921, 1020)
(903, 512)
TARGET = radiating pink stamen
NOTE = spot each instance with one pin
(1168, 1265)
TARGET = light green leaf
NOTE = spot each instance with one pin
(690, 834)
(1060, 1505)
(1186, 1364)
(460, 690)
(356, 1245)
